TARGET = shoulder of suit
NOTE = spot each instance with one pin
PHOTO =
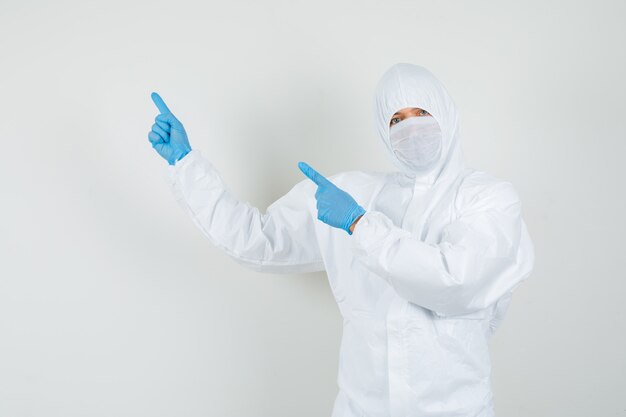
(479, 188)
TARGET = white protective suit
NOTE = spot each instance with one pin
(423, 281)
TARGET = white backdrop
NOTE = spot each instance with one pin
(113, 304)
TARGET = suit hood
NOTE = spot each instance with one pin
(408, 85)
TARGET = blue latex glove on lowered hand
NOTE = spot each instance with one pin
(335, 207)
(168, 136)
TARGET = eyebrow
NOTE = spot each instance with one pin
(411, 108)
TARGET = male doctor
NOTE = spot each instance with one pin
(422, 261)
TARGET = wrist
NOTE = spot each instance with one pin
(359, 214)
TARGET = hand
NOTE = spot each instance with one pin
(168, 135)
(335, 207)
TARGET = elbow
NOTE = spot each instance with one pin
(457, 300)
(461, 301)
(482, 288)
(442, 293)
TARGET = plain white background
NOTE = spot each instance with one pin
(113, 304)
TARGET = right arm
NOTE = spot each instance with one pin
(282, 240)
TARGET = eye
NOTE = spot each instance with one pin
(424, 113)
(394, 121)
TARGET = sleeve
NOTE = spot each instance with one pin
(499, 311)
(483, 254)
(282, 240)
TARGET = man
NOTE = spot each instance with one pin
(422, 261)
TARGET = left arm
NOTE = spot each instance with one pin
(482, 255)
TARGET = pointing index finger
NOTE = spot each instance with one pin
(312, 174)
(158, 101)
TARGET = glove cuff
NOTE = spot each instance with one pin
(180, 156)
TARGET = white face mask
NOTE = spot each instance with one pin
(416, 142)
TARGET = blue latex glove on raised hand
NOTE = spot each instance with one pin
(335, 207)
(168, 136)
